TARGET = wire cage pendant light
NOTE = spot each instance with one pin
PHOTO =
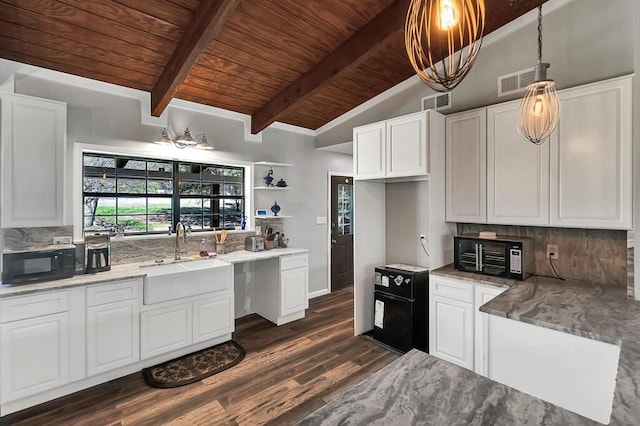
(539, 110)
(443, 39)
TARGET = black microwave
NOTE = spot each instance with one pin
(503, 256)
(44, 264)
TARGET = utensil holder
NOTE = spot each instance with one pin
(268, 245)
(220, 248)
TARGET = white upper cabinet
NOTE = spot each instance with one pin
(396, 148)
(369, 151)
(466, 160)
(34, 135)
(517, 171)
(591, 162)
(407, 146)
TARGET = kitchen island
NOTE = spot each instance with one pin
(421, 389)
(418, 388)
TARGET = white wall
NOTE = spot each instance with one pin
(584, 40)
(96, 118)
(407, 216)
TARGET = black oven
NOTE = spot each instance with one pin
(45, 264)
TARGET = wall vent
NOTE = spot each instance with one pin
(515, 82)
(437, 101)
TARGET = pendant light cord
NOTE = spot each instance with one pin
(540, 34)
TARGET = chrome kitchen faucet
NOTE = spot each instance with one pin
(180, 233)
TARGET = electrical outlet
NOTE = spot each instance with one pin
(422, 237)
(552, 251)
(62, 240)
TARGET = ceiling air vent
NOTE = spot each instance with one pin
(437, 101)
(515, 82)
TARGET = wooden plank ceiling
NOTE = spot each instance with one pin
(298, 62)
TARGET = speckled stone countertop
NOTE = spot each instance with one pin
(135, 270)
(585, 309)
(419, 389)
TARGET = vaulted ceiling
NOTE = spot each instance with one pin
(301, 62)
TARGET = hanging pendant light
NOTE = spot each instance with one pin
(540, 108)
(443, 38)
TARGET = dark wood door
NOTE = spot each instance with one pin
(341, 232)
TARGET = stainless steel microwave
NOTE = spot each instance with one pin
(504, 256)
(42, 264)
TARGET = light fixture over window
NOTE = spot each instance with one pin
(184, 141)
(443, 38)
(540, 108)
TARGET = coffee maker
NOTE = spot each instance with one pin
(97, 246)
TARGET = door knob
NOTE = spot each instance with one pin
(333, 241)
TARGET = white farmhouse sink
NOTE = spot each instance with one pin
(184, 279)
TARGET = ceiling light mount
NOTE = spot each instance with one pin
(443, 39)
(184, 141)
(539, 110)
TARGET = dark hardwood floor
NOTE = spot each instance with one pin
(289, 372)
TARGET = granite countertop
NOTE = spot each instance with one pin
(420, 389)
(600, 312)
(135, 270)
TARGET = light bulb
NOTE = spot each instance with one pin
(447, 14)
(538, 106)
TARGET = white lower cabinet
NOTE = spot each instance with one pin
(34, 355)
(451, 331)
(212, 317)
(113, 326)
(293, 295)
(113, 336)
(165, 329)
(457, 329)
(483, 294)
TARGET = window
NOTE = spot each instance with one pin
(146, 196)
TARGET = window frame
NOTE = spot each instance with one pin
(175, 197)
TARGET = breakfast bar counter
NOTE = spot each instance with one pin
(580, 308)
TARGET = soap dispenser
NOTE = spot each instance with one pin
(203, 249)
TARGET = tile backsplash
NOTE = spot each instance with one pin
(595, 255)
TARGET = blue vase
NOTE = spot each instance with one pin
(275, 208)
(268, 179)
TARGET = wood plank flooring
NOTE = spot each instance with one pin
(289, 372)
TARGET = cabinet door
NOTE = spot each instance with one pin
(483, 294)
(34, 356)
(369, 155)
(451, 330)
(407, 153)
(591, 158)
(113, 336)
(466, 160)
(212, 318)
(293, 291)
(165, 329)
(517, 171)
(33, 161)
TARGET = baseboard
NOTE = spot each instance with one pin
(319, 293)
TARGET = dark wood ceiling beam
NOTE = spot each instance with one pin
(208, 21)
(348, 55)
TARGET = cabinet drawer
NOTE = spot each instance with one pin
(18, 308)
(456, 290)
(292, 262)
(116, 292)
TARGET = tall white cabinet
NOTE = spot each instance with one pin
(591, 162)
(517, 171)
(413, 151)
(466, 159)
(33, 161)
